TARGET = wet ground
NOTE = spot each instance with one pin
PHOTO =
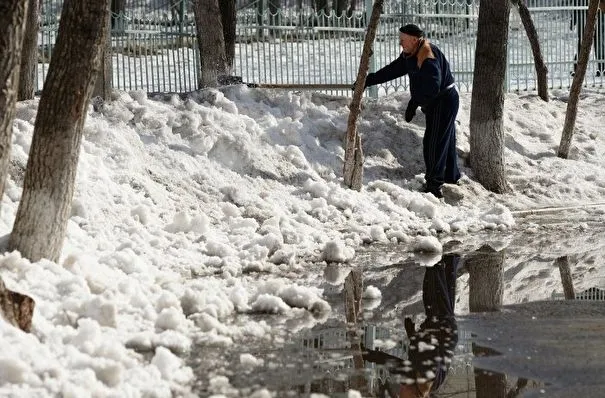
(506, 315)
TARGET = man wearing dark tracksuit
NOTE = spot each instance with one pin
(432, 89)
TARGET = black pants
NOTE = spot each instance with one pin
(439, 142)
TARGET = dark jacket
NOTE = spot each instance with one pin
(426, 82)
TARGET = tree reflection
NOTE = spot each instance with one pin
(563, 264)
(16, 308)
(486, 270)
(352, 291)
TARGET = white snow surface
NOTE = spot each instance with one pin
(188, 212)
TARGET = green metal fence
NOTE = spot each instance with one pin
(292, 43)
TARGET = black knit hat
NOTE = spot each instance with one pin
(412, 30)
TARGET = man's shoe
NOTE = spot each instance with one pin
(436, 192)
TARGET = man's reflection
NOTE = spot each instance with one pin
(432, 344)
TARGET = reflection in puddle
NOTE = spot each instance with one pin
(431, 346)
(408, 344)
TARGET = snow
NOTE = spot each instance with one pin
(190, 212)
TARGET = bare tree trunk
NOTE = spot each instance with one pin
(16, 308)
(532, 35)
(353, 288)
(566, 279)
(48, 185)
(12, 25)
(29, 53)
(485, 268)
(229, 20)
(103, 82)
(353, 164)
(487, 106)
(578, 79)
(340, 6)
(211, 42)
(274, 17)
(321, 5)
(488, 384)
(118, 7)
(351, 8)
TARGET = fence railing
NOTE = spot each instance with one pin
(154, 47)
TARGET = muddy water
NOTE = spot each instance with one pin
(470, 323)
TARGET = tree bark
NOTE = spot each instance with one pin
(532, 35)
(229, 21)
(103, 82)
(486, 290)
(321, 5)
(352, 291)
(487, 383)
(48, 184)
(211, 42)
(353, 164)
(578, 79)
(12, 25)
(118, 7)
(16, 308)
(487, 106)
(566, 280)
(29, 53)
(340, 7)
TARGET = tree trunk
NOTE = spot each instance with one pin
(229, 20)
(352, 291)
(321, 5)
(487, 106)
(211, 42)
(566, 280)
(12, 25)
(353, 164)
(48, 185)
(103, 82)
(485, 268)
(578, 79)
(340, 7)
(16, 308)
(118, 7)
(532, 35)
(274, 17)
(29, 53)
(487, 383)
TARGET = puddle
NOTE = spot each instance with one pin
(395, 326)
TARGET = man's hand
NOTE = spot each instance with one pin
(368, 82)
(410, 111)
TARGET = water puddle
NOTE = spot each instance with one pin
(417, 326)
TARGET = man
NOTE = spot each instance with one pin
(432, 89)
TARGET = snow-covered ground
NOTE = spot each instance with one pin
(190, 214)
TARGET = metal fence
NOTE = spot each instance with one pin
(154, 47)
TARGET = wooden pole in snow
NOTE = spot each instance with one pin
(578, 79)
(353, 164)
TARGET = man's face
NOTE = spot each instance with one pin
(408, 43)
